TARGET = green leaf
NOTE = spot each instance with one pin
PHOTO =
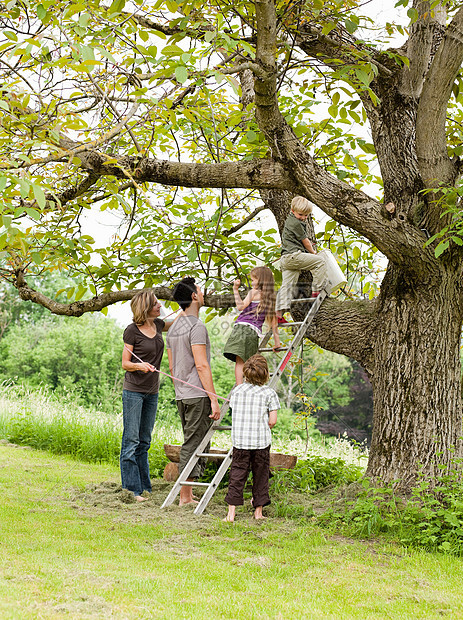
(172, 6)
(443, 245)
(41, 12)
(192, 255)
(362, 76)
(330, 225)
(24, 188)
(251, 136)
(413, 14)
(350, 26)
(81, 290)
(116, 6)
(363, 167)
(356, 253)
(181, 74)
(39, 195)
(172, 50)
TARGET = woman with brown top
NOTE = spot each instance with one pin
(142, 341)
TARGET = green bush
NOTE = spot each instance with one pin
(78, 356)
(314, 473)
(430, 519)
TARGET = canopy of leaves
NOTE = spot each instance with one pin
(162, 80)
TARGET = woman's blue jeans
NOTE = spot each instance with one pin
(139, 414)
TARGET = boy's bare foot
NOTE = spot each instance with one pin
(258, 514)
(139, 498)
(229, 519)
(186, 496)
(231, 514)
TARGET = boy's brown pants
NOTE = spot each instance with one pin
(257, 461)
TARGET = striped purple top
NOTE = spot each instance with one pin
(249, 316)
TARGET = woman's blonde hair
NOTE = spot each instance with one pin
(141, 304)
(301, 205)
(266, 284)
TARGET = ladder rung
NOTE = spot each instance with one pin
(192, 483)
(219, 455)
(295, 301)
(290, 324)
(222, 428)
(271, 349)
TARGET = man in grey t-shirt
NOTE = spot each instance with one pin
(188, 348)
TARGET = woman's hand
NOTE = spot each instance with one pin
(236, 284)
(145, 367)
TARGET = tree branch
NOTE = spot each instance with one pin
(255, 174)
(246, 220)
(340, 45)
(398, 239)
(74, 192)
(431, 144)
(348, 328)
(420, 44)
(78, 308)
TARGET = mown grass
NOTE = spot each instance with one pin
(70, 550)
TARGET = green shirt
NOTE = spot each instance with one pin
(293, 232)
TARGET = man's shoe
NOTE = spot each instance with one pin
(315, 294)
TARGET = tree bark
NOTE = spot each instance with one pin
(417, 379)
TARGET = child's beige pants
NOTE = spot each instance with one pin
(291, 266)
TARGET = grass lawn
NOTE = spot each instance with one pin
(72, 548)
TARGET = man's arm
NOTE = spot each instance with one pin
(169, 355)
(205, 376)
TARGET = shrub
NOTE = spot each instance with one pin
(431, 518)
(316, 472)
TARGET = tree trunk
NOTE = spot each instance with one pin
(417, 380)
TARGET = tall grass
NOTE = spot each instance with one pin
(38, 418)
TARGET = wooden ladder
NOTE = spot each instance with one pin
(210, 487)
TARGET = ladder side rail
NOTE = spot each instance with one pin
(298, 337)
(216, 480)
(184, 474)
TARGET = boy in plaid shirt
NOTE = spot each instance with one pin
(254, 412)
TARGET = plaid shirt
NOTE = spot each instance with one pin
(250, 405)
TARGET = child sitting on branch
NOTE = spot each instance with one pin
(298, 253)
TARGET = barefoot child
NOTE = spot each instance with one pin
(257, 307)
(254, 412)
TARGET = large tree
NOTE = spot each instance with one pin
(108, 106)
